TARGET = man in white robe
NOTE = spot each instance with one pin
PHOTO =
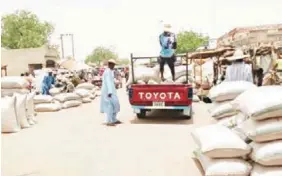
(239, 70)
(109, 100)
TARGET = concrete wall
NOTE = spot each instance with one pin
(17, 60)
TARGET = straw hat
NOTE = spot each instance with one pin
(167, 27)
(238, 54)
(112, 61)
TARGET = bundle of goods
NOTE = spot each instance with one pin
(263, 106)
(12, 84)
(87, 86)
(17, 112)
(143, 73)
(222, 95)
(55, 91)
(84, 95)
(221, 152)
(68, 100)
(45, 103)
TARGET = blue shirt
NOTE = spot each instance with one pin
(168, 44)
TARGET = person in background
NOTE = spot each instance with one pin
(168, 46)
(47, 83)
(239, 70)
(109, 100)
(22, 74)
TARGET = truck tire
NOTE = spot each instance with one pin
(142, 114)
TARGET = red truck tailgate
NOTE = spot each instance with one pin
(169, 94)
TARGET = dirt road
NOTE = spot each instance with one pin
(73, 142)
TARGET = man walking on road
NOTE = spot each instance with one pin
(168, 46)
(109, 100)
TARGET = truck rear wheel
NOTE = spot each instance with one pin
(142, 114)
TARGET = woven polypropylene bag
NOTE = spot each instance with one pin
(267, 154)
(11, 92)
(216, 141)
(55, 91)
(67, 97)
(30, 108)
(223, 167)
(262, 131)
(48, 107)
(42, 99)
(259, 170)
(21, 112)
(260, 103)
(9, 121)
(88, 86)
(233, 121)
(224, 110)
(86, 100)
(82, 92)
(229, 90)
(14, 82)
(71, 103)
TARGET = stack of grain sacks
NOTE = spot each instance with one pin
(87, 91)
(68, 100)
(46, 103)
(222, 96)
(263, 106)
(17, 108)
(221, 152)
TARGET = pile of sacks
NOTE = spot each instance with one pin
(255, 118)
(17, 112)
(13, 84)
(84, 93)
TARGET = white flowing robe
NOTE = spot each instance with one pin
(239, 72)
(109, 104)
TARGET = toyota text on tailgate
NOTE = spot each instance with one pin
(163, 96)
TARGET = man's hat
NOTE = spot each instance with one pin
(238, 54)
(167, 27)
(112, 61)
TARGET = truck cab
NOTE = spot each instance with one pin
(147, 97)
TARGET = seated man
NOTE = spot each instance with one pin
(168, 46)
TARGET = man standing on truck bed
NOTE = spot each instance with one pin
(167, 54)
(109, 100)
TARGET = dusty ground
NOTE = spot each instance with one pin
(73, 142)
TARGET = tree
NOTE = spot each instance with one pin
(188, 41)
(101, 54)
(23, 29)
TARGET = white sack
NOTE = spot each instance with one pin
(21, 112)
(10, 92)
(9, 121)
(86, 100)
(98, 93)
(180, 71)
(216, 141)
(241, 134)
(233, 121)
(143, 73)
(92, 97)
(14, 82)
(224, 110)
(55, 91)
(259, 170)
(82, 92)
(261, 103)
(71, 103)
(262, 131)
(223, 167)
(42, 99)
(87, 86)
(229, 90)
(30, 108)
(48, 107)
(67, 97)
(140, 82)
(267, 154)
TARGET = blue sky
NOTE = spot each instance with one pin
(134, 25)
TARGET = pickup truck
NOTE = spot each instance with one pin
(147, 97)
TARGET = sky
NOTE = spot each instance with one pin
(133, 26)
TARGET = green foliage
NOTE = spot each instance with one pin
(101, 54)
(23, 29)
(188, 41)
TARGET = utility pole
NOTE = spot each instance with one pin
(62, 44)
